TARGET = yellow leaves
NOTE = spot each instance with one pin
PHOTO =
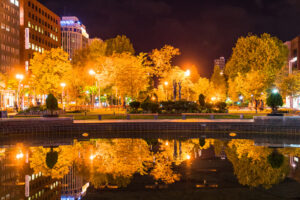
(49, 69)
(247, 148)
(61, 168)
(162, 59)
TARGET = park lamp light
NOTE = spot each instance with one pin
(20, 77)
(63, 85)
(166, 83)
(241, 97)
(275, 91)
(92, 72)
(187, 73)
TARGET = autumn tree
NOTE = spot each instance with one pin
(61, 167)
(263, 57)
(202, 86)
(251, 165)
(218, 87)
(289, 84)
(49, 70)
(161, 61)
(119, 44)
(127, 73)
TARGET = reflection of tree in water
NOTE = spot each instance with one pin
(251, 165)
(59, 169)
(115, 161)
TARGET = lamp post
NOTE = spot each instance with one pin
(97, 77)
(63, 85)
(188, 74)
(20, 77)
(166, 89)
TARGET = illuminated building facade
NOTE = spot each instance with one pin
(39, 30)
(73, 187)
(294, 52)
(9, 34)
(74, 35)
(220, 62)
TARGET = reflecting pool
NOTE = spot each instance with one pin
(127, 168)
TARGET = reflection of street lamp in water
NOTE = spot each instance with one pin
(20, 77)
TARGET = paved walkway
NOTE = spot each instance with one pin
(165, 120)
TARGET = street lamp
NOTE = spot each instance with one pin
(63, 85)
(291, 64)
(187, 73)
(20, 77)
(275, 91)
(166, 89)
(97, 76)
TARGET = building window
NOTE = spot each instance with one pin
(28, 3)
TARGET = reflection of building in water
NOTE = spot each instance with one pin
(8, 177)
(19, 182)
(73, 186)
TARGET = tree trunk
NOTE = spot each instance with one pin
(291, 102)
(174, 90)
(179, 90)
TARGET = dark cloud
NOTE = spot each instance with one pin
(202, 29)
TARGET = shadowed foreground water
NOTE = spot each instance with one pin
(120, 168)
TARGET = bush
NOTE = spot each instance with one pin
(274, 101)
(51, 158)
(135, 105)
(51, 103)
(276, 159)
(150, 107)
(221, 107)
(33, 109)
(179, 107)
(201, 100)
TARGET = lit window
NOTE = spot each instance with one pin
(32, 46)
(29, 25)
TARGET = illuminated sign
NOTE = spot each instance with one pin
(27, 44)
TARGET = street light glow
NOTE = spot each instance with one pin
(63, 85)
(20, 155)
(294, 59)
(20, 76)
(275, 91)
(187, 73)
(166, 83)
(188, 157)
(92, 72)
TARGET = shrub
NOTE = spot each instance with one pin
(135, 105)
(179, 106)
(276, 159)
(221, 107)
(51, 158)
(274, 101)
(201, 101)
(150, 107)
(51, 103)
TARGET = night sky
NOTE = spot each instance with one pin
(202, 29)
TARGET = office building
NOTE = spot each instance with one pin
(9, 35)
(294, 52)
(220, 62)
(74, 35)
(73, 185)
(39, 30)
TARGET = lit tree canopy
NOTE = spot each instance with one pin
(49, 70)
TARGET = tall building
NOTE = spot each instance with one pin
(294, 52)
(9, 34)
(74, 35)
(73, 185)
(39, 30)
(220, 62)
